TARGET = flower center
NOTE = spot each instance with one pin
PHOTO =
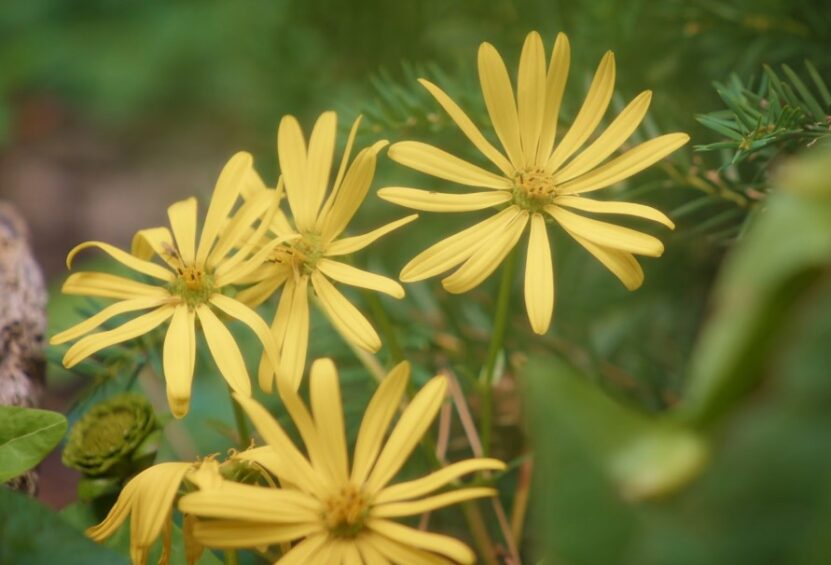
(193, 285)
(301, 255)
(346, 512)
(534, 189)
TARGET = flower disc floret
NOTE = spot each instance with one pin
(193, 285)
(534, 189)
(345, 514)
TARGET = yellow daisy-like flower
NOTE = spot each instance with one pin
(187, 288)
(342, 515)
(313, 245)
(538, 177)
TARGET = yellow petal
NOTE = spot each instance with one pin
(306, 551)
(410, 508)
(633, 161)
(319, 162)
(350, 195)
(455, 249)
(499, 99)
(469, 128)
(136, 264)
(622, 264)
(250, 318)
(431, 201)
(239, 227)
(266, 456)
(435, 480)
(158, 241)
(488, 256)
(320, 458)
(327, 408)
(235, 501)
(295, 341)
(117, 514)
(414, 422)
(279, 327)
(351, 555)
(182, 216)
(376, 420)
(179, 358)
(531, 94)
(105, 285)
(612, 207)
(349, 245)
(104, 315)
(235, 174)
(224, 350)
(336, 186)
(371, 555)
(129, 330)
(291, 152)
(605, 234)
(352, 276)
(255, 295)
(555, 84)
(398, 552)
(232, 273)
(347, 319)
(229, 267)
(227, 534)
(539, 277)
(590, 114)
(443, 545)
(613, 137)
(434, 161)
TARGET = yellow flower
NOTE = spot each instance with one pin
(537, 177)
(187, 288)
(343, 515)
(313, 245)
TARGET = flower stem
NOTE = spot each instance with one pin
(500, 319)
(385, 324)
(242, 425)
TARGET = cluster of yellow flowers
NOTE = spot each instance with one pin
(249, 248)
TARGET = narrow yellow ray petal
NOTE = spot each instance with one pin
(352, 276)
(279, 325)
(439, 163)
(355, 243)
(239, 226)
(117, 514)
(336, 186)
(306, 551)
(230, 265)
(539, 277)
(555, 85)
(105, 285)
(134, 263)
(351, 555)
(410, 508)
(327, 407)
(228, 274)
(613, 207)
(104, 315)
(235, 501)
(347, 319)
(400, 552)
(232, 178)
(376, 420)
(302, 418)
(435, 480)
(469, 128)
(224, 350)
(607, 235)
(633, 161)
(296, 340)
(319, 161)
(157, 489)
(291, 152)
(229, 534)
(443, 545)
(369, 554)
(266, 456)
(621, 263)
(252, 184)
(610, 140)
(414, 422)
(350, 195)
(431, 201)
(158, 241)
(487, 257)
(590, 114)
(182, 216)
(179, 358)
(499, 99)
(255, 295)
(531, 94)
(129, 330)
(455, 249)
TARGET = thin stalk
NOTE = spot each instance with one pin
(242, 425)
(385, 325)
(231, 557)
(500, 321)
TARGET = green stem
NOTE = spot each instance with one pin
(242, 425)
(500, 320)
(231, 557)
(386, 327)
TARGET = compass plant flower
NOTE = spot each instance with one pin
(185, 287)
(540, 179)
(309, 259)
(334, 511)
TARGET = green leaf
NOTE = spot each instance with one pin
(820, 84)
(27, 436)
(805, 92)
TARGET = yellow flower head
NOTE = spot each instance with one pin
(187, 286)
(539, 177)
(340, 514)
(313, 244)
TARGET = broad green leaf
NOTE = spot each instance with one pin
(27, 436)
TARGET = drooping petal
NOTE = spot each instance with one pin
(621, 263)
(376, 420)
(90, 344)
(117, 514)
(414, 422)
(531, 94)
(103, 316)
(469, 128)
(250, 318)
(327, 408)
(436, 480)
(266, 456)
(412, 507)
(228, 534)
(179, 358)
(353, 276)
(355, 243)
(319, 161)
(105, 285)
(439, 163)
(235, 501)
(291, 152)
(555, 85)
(224, 350)
(499, 99)
(347, 319)
(606, 234)
(443, 545)
(158, 241)
(431, 201)
(539, 277)
(612, 207)
(182, 216)
(398, 552)
(134, 263)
